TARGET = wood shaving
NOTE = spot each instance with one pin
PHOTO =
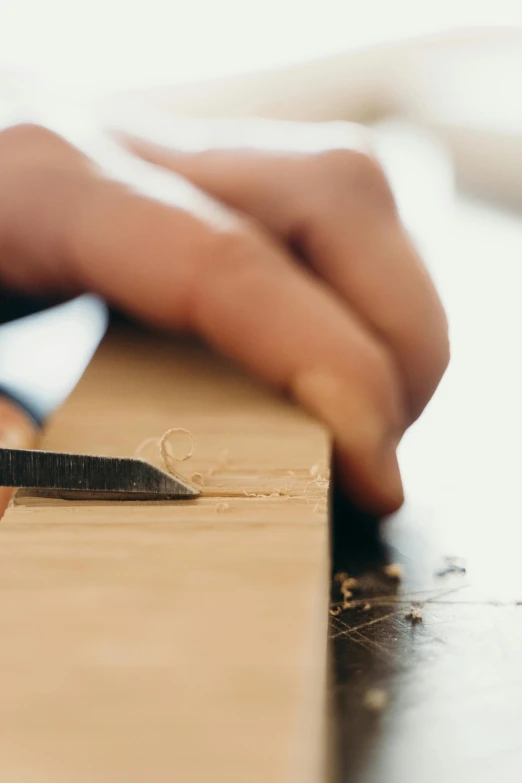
(320, 482)
(394, 571)
(336, 611)
(348, 583)
(341, 576)
(221, 507)
(366, 607)
(414, 615)
(375, 699)
(349, 604)
(166, 445)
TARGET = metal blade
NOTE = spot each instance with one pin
(43, 356)
(113, 477)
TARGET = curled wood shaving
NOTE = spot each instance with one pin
(166, 444)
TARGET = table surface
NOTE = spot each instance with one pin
(452, 682)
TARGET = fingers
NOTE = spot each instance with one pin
(336, 209)
(161, 249)
(221, 275)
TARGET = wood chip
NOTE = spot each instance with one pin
(394, 571)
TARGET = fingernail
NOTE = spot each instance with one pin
(361, 431)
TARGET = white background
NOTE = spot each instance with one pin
(147, 42)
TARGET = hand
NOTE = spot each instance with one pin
(294, 264)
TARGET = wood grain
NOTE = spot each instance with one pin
(170, 641)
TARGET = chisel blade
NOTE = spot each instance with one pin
(85, 475)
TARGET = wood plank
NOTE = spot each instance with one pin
(170, 641)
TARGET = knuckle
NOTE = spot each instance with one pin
(356, 175)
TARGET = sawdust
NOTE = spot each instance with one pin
(348, 583)
(367, 607)
(394, 571)
(172, 449)
(178, 444)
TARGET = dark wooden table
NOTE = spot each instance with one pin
(450, 686)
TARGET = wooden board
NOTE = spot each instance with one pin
(170, 641)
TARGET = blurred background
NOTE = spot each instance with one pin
(114, 43)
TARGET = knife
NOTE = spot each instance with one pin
(42, 357)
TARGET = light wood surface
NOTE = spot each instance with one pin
(17, 431)
(170, 641)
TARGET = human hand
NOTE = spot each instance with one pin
(293, 263)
